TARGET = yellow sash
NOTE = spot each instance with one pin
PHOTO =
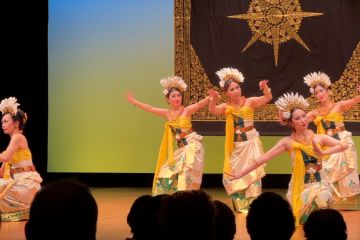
(298, 176)
(244, 112)
(19, 156)
(336, 117)
(166, 148)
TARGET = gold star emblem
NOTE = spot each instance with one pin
(275, 22)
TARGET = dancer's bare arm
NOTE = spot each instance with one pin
(146, 107)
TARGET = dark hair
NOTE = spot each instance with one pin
(196, 209)
(260, 222)
(228, 82)
(57, 209)
(146, 217)
(20, 116)
(225, 224)
(136, 214)
(325, 223)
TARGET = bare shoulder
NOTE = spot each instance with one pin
(286, 141)
(186, 111)
(19, 137)
(20, 140)
(312, 115)
(339, 104)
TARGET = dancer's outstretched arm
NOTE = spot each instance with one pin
(196, 106)
(262, 100)
(347, 104)
(281, 146)
(334, 145)
(214, 98)
(146, 107)
(310, 116)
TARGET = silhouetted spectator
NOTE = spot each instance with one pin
(145, 217)
(135, 217)
(326, 224)
(225, 224)
(270, 217)
(189, 215)
(63, 209)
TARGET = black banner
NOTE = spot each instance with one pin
(277, 40)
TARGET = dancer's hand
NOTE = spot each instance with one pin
(263, 84)
(317, 150)
(237, 176)
(130, 98)
(213, 94)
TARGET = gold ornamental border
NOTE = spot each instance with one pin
(189, 67)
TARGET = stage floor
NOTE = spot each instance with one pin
(114, 205)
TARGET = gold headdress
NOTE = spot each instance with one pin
(9, 105)
(173, 82)
(290, 101)
(316, 78)
(226, 74)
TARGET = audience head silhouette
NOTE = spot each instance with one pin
(136, 217)
(63, 209)
(145, 217)
(225, 224)
(261, 223)
(194, 208)
(327, 224)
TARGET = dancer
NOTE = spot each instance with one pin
(241, 140)
(341, 168)
(308, 190)
(180, 169)
(19, 180)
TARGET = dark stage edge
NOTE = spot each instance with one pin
(146, 179)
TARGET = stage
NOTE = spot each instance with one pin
(114, 205)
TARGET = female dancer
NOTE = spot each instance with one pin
(19, 180)
(180, 169)
(241, 140)
(341, 168)
(308, 189)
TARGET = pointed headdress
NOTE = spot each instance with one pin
(9, 105)
(226, 74)
(173, 82)
(316, 78)
(289, 101)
